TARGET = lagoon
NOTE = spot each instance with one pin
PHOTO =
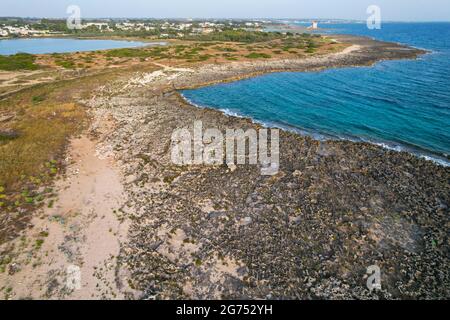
(67, 45)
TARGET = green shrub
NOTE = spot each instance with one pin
(255, 55)
(20, 61)
(225, 49)
(238, 36)
(67, 64)
(37, 99)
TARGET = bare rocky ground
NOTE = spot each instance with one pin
(311, 231)
(203, 232)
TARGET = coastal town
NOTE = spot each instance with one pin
(150, 28)
(18, 27)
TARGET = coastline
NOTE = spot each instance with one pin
(440, 160)
(366, 53)
(309, 232)
(317, 65)
(228, 232)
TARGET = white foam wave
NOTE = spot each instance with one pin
(321, 137)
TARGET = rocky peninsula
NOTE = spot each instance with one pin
(227, 232)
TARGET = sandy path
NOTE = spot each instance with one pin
(81, 236)
(348, 50)
(11, 78)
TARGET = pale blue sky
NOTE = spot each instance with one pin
(400, 10)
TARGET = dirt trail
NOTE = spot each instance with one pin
(79, 235)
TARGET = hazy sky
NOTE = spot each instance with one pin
(404, 10)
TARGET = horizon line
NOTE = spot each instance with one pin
(222, 18)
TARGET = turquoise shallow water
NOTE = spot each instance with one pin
(402, 105)
(52, 45)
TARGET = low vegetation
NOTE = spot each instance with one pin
(128, 53)
(255, 55)
(238, 36)
(220, 47)
(246, 45)
(67, 64)
(34, 138)
(39, 122)
(20, 61)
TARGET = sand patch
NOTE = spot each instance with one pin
(80, 231)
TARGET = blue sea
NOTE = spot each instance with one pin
(54, 45)
(402, 105)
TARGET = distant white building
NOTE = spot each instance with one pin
(96, 24)
(21, 31)
(3, 33)
(207, 24)
(184, 26)
(207, 30)
(99, 25)
(314, 25)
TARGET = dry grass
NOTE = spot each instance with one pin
(40, 135)
(31, 145)
(35, 127)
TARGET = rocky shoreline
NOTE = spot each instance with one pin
(310, 232)
(362, 51)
